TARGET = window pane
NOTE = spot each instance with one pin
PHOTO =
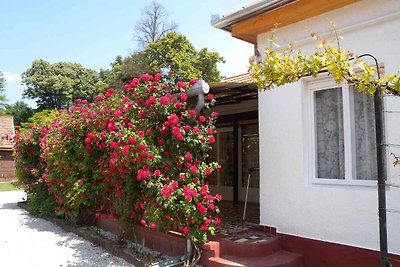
(250, 145)
(225, 158)
(329, 133)
(365, 139)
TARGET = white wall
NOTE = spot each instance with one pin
(289, 201)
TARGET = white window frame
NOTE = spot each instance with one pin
(310, 86)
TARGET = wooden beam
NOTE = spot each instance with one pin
(248, 30)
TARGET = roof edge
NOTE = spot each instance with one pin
(226, 22)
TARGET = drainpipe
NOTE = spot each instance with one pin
(199, 89)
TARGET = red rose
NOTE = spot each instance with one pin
(192, 113)
(185, 230)
(183, 97)
(211, 139)
(166, 191)
(153, 226)
(188, 156)
(193, 169)
(132, 141)
(173, 119)
(114, 145)
(125, 150)
(201, 208)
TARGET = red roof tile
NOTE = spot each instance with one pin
(6, 128)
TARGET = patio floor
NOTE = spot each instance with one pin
(232, 217)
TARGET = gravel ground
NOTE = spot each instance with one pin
(29, 241)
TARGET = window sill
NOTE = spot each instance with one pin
(367, 183)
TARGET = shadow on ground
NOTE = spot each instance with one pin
(82, 250)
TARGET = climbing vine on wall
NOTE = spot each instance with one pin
(282, 66)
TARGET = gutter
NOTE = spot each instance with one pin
(264, 6)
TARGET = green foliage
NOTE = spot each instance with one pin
(30, 170)
(56, 86)
(20, 111)
(123, 70)
(40, 203)
(41, 118)
(138, 154)
(172, 51)
(3, 98)
(175, 52)
(207, 64)
(288, 66)
(7, 186)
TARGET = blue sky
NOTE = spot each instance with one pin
(94, 32)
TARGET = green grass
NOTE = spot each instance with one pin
(7, 186)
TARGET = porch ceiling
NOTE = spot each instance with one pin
(234, 89)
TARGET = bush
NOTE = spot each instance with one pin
(139, 154)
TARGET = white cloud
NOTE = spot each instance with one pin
(12, 78)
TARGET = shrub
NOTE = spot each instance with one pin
(139, 154)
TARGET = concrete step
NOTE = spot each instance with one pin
(278, 259)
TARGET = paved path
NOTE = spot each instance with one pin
(27, 241)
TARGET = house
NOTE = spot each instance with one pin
(7, 165)
(317, 151)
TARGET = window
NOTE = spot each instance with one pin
(342, 134)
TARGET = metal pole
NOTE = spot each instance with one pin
(247, 194)
(381, 181)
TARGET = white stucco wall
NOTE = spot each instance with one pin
(289, 201)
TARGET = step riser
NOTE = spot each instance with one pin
(220, 262)
(250, 249)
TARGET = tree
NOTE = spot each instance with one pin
(124, 69)
(20, 111)
(58, 85)
(3, 98)
(153, 25)
(42, 118)
(175, 52)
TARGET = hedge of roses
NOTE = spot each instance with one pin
(139, 154)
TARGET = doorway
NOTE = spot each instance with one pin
(237, 151)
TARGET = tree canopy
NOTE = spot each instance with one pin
(58, 85)
(153, 25)
(124, 69)
(174, 52)
(20, 111)
(3, 98)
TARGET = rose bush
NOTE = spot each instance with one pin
(138, 155)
